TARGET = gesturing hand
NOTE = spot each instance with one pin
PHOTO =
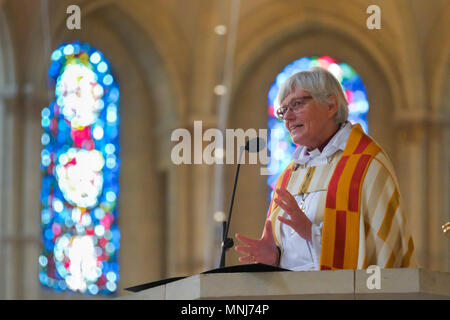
(298, 220)
(262, 250)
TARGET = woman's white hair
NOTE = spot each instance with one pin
(321, 84)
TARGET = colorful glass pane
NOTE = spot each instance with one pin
(80, 165)
(281, 146)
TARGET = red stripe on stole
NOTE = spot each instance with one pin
(355, 183)
(333, 184)
(286, 178)
(339, 242)
(362, 145)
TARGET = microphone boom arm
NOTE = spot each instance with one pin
(228, 243)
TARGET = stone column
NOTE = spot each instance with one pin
(423, 171)
(438, 188)
(31, 176)
(20, 206)
(13, 202)
(411, 167)
(178, 222)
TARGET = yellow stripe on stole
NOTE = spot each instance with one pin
(389, 215)
(406, 260)
(391, 261)
(328, 237)
(395, 244)
(353, 140)
(351, 240)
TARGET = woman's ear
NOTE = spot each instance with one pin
(333, 105)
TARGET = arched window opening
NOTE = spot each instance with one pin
(80, 165)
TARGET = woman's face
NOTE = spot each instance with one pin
(312, 124)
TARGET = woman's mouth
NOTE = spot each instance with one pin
(293, 127)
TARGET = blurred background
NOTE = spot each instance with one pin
(91, 91)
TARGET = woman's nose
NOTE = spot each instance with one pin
(289, 114)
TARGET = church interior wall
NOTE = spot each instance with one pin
(167, 60)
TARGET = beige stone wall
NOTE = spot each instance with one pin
(167, 60)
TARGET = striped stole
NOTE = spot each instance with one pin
(341, 224)
(354, 235)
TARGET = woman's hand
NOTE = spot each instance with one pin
(262, 250)
(298, 220)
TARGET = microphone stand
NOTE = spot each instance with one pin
(228, 243)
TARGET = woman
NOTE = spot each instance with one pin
(337, 205)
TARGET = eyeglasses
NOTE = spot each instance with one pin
(296, 105)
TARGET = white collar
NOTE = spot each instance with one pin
(336, 143)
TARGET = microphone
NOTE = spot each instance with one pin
(253, 145)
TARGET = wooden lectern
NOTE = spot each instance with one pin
(263, 282)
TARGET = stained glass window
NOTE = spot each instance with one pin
(281, 146)
(80, 165)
